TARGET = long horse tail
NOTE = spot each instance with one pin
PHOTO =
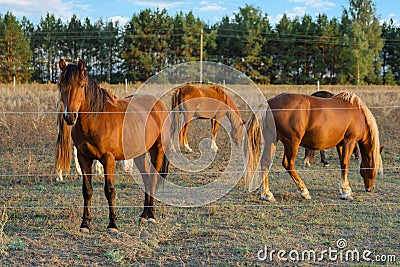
(372, 128)
(175, 116)
(164, 171)
(252, 144)
(64, 142)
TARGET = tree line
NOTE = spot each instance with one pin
(354, 49)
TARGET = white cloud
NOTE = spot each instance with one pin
(295, 12)
(320, 4)
(122, 20)
(213, 8)
(391, 16)
(39, 8)
(34, 10)
(159, 4)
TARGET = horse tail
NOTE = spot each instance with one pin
(164, 171)
(64, 142)
(374, 134)
(175, 116)
(252, 144)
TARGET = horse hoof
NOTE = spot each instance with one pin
(112, 231)
(269, 198)
(346, 196)
(151, 221)
(326, 165)
(305, 194)
(84, 230)
(142, 220)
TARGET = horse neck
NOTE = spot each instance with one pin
(94, 103)
(95, 98)
(234, 119)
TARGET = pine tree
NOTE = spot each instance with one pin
(391, 53)
(15, 53)
(363, 43)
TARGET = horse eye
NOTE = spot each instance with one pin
(83, 86)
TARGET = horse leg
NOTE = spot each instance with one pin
(87, 192)
(108, 162)
(307, 156)
(288, 163)
(98, 168)
(344, 187)
(184, 137)
(143, 166)
(127, 166)
(323, 159)
(59, 175)
(356, 152)
(266, 160)
(339, 149)
(214, 127)
(157, 158)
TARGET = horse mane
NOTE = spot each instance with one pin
(230, 103)
(99, 97)
(371, 123)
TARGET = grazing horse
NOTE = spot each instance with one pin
(309, 155)
(205, 103)
(107, 129)
(315, 123)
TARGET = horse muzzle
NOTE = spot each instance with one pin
(70, 118)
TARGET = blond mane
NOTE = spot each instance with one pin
(371, 123)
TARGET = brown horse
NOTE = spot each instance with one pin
(315, 123)
(309, 154)
(64, 133)
(107, 129)
(205, 103)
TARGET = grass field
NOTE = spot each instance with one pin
(43, 216)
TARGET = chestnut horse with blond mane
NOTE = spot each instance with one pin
(315, 123)
(107, 129)
(204, 103)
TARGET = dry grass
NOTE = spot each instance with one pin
(44, 216)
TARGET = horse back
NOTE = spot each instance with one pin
(316, 123)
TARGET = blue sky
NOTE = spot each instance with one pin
(209, 11)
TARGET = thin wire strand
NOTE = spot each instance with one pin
(201, 173)
(230, 204)
(183, 111)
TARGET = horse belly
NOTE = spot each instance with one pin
(321, 139)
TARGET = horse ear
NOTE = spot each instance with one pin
(62, 64)
(81, 65)
(381, 149)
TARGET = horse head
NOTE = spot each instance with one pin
(371, 166)
(72, 83)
